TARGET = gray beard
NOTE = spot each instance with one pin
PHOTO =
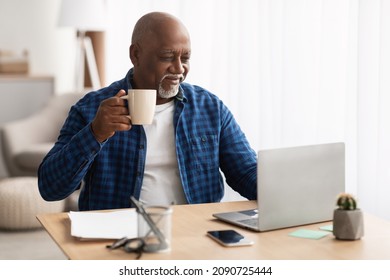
(166, 94)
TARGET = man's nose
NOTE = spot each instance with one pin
(177, 66)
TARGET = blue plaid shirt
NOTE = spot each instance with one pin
(208, 140)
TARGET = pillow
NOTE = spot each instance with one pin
(32, 157)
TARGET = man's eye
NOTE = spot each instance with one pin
(167, 58)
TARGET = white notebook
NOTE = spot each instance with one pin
(107, 225)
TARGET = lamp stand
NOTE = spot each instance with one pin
(84, 52)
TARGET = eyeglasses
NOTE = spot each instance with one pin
(130, 245)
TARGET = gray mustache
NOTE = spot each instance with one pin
(180, 77)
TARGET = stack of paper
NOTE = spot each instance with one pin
(106, 225)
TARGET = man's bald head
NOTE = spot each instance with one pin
(154, 24)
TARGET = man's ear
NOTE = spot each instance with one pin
(134, 52)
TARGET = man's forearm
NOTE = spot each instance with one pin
(65, 166)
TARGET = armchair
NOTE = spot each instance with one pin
(25, 142)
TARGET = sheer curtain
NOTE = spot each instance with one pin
(373, 107)
(293, 72)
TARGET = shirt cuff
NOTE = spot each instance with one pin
(87, 143)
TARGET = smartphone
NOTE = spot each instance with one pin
(229, 238)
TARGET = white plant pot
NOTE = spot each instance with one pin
(348, 224)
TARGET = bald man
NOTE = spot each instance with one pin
(177, 159)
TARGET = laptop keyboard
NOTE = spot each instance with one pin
(250, 222)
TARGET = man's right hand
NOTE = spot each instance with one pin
(112, 116)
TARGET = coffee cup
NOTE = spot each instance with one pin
(142, 105)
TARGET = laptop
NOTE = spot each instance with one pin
(295, 186)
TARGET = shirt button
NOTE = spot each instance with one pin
(204, 138)
(141, 147)
(138, 173)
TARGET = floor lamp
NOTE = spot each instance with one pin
(84, 52)
(84, 15)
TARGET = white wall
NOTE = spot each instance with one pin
(32, 25)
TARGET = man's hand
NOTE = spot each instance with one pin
(112, 116)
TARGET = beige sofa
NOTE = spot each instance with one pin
(25, 142)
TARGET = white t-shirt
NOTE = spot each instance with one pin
(161, 184)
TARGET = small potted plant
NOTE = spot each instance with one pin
(347, 218)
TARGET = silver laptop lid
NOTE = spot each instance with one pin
(299, 185)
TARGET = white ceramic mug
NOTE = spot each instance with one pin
(142, 105)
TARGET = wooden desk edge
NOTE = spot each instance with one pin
(42, 218)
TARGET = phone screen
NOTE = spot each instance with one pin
(229, 237)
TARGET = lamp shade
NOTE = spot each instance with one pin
(84, 15)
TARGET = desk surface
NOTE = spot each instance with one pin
(189, 240)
